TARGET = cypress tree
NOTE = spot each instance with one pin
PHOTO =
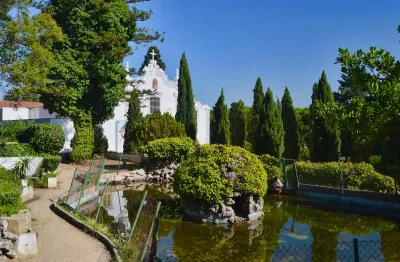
(148, 57)
(290, 126)
(257, 111)
(134, 114)
(326, 137)
(220, 123)
(238, 123)
(271, 128)
(186, 112)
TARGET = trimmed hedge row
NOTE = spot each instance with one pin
(272, 167)
(50, 163)
(169, 149)
(17, 150)
(45, 138)
(360, 176)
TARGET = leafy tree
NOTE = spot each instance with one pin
(257, 111)
(186, 113)
(155, 126)
(238, 123)
(326, 136)
(305, 132)
(290, 126)
(220, 124)
(271, 128)
(134, 114)
(148, 57)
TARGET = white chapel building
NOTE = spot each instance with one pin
(164, 100)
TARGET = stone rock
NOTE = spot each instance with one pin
(118, 178)
(136, 178)
(141, 172)
(228, 212)
(172, 166)
(230, 175)
(3, 225)
(165, 171)
(171, 172)
(229, 201)
(5, 245)
(12, 253)
(157, 172)
(167, 176)
(150, 173)
(156, 177)
(2, 258)
(10, 236)
(214, 208)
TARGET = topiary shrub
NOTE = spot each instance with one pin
(83, 142)
(17, 150)
(375, 161)
(50, 163)
(174, 149)
(10, 130)
(45, 138)
(216, 171)
(355, 176)
(272, 167)
(156, 126)
(100, 141)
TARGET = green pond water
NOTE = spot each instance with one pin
(291, 230)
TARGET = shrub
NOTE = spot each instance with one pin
(156, 126)
(82, 143)
(10, 130)
(216, 171)
(100, 141)
(21, 168)
(272, 167)
(355, 176)
(375, 161)
(50, 163)
(169, 149)
(45, 138)
(10, 193)
(16, 150)
(42, 182)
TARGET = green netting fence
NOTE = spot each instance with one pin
(76, 188)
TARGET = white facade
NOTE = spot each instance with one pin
(164, 100)
(14, 113)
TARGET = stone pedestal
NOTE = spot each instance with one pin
(52, 182)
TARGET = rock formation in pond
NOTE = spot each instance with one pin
(222, 184)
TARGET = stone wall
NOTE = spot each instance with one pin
(8, 248)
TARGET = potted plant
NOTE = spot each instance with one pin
(21, 169)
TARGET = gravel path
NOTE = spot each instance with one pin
(57, 239)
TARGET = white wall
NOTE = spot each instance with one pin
(15, 113)
(203, 123)
(110, 127)
(9, 163)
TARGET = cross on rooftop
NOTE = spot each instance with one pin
(152, 55)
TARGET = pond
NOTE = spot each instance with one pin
(291, 230)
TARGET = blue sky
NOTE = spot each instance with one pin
(287, 43)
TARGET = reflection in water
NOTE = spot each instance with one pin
(287, 224)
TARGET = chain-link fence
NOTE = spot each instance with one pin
(77, 186)
(349, 251)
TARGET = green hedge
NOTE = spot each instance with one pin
(10, 130)
(43, 181)
(355, 176)
(45, 138)
(204, 175)
(10, 193)
(83, 142)
(169, 149)
(50, 163)
(272, 167)
(17, 150)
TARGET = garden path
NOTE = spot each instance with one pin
(57, 240)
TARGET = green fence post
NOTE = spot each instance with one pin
(138, 214)
(295, 170)
(72, 181)
(101, 199)
(103, 163)
(152, 234)
(341, 177)
(356, 254)
(284, 173)
(83, 191)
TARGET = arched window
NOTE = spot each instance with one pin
(154, 104)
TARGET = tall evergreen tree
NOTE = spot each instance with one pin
(290, 126)
(186, 112)
(326, 136)
(220, 123)
(148, 57)
(238, 123)
(271, 128)
(256, 112)
(133, 116)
